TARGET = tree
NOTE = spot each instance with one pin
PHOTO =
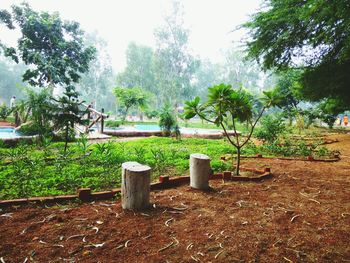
(139, 71)
(67, 113)
(206, 75)
(313, 35)
(226, 105)
(174, 65)
(11, 80)
(95, 85)
(53, 48)
(130, 97)
(237, 70)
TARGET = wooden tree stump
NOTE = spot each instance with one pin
(136, 181)
(199, 171)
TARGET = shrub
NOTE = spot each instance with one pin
(167, 120)
(150, 114)
(4, 112)
(271, 126)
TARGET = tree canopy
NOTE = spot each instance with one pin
(131, 97)
(313, 35)
(53, 48)
(174, 64)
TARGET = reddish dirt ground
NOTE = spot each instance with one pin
(301, 215)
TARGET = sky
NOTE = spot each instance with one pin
(212, 23)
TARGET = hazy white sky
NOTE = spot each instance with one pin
(120, 21)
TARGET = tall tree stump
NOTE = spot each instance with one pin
(199, 171)
(136, 181)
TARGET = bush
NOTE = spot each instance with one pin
(271, 126)
(167, 120)
(150, 114)
(111, 123)
(4, 112)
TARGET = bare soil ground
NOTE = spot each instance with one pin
(301, 215)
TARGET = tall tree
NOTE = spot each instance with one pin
(54, 48)
(237, 70)
(95, 85)
(314, 35)
(139, 71)
(11, 80)
(175, 66)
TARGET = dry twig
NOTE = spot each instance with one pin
(168, 221)
(218, 254)
(293, 218)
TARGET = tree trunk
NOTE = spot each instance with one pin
(199, 171)
(136, 181)
(238, 160)
(66, 138)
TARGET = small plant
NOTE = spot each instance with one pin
(167, 121)
(4, 112)
(140, 154)
(322, 152)
(159, 159)
(271, 126)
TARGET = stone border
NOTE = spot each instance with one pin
(165, 182)
(306, 159)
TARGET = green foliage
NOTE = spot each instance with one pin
(288, 84)
(131, 97)
(66, 113)
(112, 123)
(314, 35)
(54, 48)
(47, 169)
(40, 105)
(271, 127)
(10, 79)
(173, 63)
(167, 120)
(4, 112)
(95, 84)
(328, 111)
(226, 106)
(150, 114)
(139, 71)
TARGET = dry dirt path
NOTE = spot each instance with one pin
(301, 215)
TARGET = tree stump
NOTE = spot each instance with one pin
(136, 181)
(199, 171)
